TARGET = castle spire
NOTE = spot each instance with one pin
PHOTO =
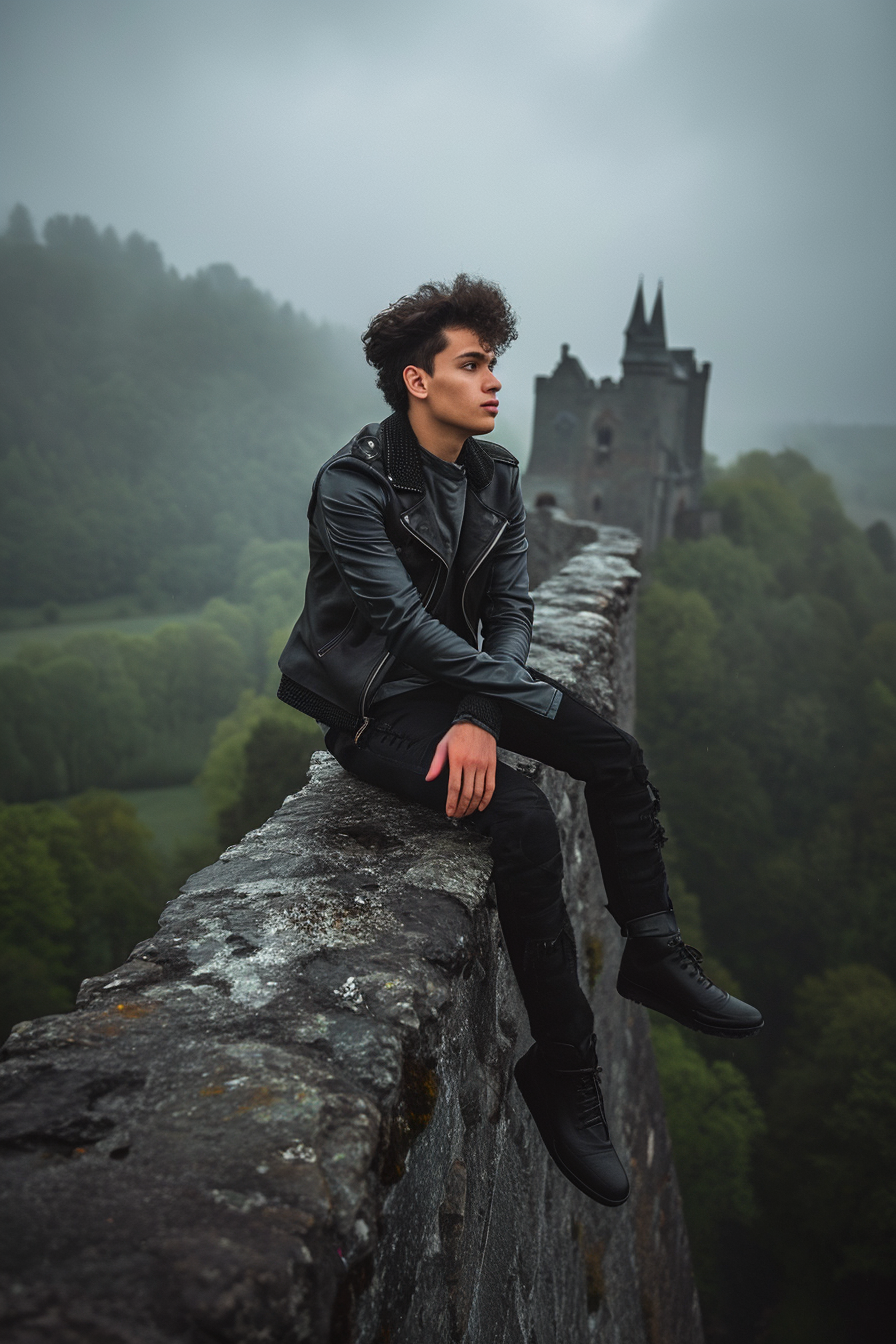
(657, 328)
(645, 342)
(637, 323)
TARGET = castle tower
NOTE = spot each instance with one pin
(645, 342)
(628, 453)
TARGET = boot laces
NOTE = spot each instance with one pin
(590, 1099)
(691, 956)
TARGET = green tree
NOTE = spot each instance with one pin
(767, 707)
(789, 515)
(123, 901)
(883, 544)
(714, 1121)
(111, 710)
(152, 423)
(20, 229)
(829, 1183)
(259, 755)
(79, 886)
(38, 851)
(766, 662)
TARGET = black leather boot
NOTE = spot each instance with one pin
(561, 1086)
(662, 972)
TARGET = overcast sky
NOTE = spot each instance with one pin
(340, 152)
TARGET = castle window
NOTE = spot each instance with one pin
(597, 503)
(564, 424)
(604, 436)
(545, 500)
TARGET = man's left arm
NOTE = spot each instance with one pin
(506, 616)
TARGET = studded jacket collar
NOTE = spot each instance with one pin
(401, 456)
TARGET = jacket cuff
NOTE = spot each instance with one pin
(482, 710)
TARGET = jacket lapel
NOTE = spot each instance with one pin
(401, 459)
(481, 526)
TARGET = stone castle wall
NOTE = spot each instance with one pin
(290, 1117)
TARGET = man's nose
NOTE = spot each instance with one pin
(492, 382)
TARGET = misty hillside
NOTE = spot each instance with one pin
(861, 461)
(151, 423)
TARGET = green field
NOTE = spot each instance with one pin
(78, 621)
(176, 816)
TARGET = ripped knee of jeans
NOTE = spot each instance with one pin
(633, 817)
(639, 769)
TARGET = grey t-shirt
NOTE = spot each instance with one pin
(446, 486)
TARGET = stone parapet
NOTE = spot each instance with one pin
(290, 1117)
(554, 538)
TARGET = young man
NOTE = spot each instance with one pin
(418, 544)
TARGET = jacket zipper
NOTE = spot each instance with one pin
(336, 638)
(432, 551)
(484, 556)
(365, 724)
(365, 719)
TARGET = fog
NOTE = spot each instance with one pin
(339, 154)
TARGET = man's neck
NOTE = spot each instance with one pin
(444, 441)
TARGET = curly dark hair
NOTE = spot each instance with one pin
(412, 330)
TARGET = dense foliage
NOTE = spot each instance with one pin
(102, 709)
(151, 424)
(828, 1174)
(767, 698)
(79, 885)
(861, 461)
(767, 695)
(122, 710)
(259, 755)
(158, 436)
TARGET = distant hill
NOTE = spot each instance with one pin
(861, 461)
(150, 423)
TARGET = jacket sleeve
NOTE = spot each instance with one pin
(350, 512)
(508, 609)
(506, 616)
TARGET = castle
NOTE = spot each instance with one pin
(628, 453)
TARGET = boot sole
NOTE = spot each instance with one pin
(692, 1020)
(547, 1140)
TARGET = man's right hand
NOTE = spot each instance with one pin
(471, 754)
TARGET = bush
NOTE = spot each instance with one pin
(79, 886)
(714, 1122)
(830, 1167)
(259, 755)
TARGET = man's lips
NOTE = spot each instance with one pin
(490, 406)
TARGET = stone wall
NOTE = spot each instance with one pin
(291, 1116)
(554, 538)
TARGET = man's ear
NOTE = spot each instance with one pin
(415, 380)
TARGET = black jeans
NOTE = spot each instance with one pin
(395, 753)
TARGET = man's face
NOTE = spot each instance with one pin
(461, 392)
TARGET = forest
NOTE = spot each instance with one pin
(767, 708)
(150, 423)
(157, 439)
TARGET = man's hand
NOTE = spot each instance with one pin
(471, 754)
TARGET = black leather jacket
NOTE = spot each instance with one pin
(376, 571)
